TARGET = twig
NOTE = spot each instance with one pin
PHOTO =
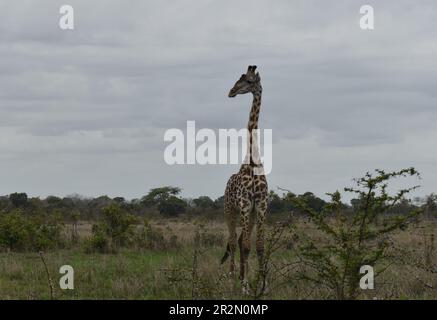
(49, 278)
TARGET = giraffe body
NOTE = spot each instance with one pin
(247, 191)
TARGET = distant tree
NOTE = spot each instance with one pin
(219, 202)
(288, 200)
(172, 206)
(166, 200)
(203, 202)
(67, 203)
(4, 202)
(119, 199)
(275, 204)
(53, 201)
(430, 205)
(35, 205)
(157, 195)
(312, 201)
(356, 203)
(403, 207)
(96, 205)
(19, 200)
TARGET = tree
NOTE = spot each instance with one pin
(157, 195)
(4, 202)
(172, 206)
(95, 206)
(430, 205)
(288, 199)
(19, 200)
(275, 204)
(219, 202)
(204, 202)
(312, 201)
(119, 200)
(166, 200)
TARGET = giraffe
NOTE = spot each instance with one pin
(246, 191)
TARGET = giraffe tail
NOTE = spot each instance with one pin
(226, 255)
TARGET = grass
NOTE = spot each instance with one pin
(126, 275)
(150, 274)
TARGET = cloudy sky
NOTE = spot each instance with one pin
(85, 111)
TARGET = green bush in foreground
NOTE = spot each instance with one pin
(352, 241)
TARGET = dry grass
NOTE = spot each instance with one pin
(147, 274)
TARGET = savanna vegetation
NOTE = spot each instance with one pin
(163, 246)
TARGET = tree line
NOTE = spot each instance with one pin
(167, 202)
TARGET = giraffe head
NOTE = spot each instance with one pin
(248, 82)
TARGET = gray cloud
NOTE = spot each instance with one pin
(85, 110)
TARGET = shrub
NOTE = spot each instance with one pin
(19, 232)
(98, 242)
(115, 230)
(14, 231)
(351, 241)
(47, 231)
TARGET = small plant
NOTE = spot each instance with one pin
(74, 227)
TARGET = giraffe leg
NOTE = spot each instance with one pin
(231, 222)
(260, 228)
(245, 208)
(260, 208)
(251, 225)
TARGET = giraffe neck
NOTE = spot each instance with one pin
(252, 145)
(254, 112)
